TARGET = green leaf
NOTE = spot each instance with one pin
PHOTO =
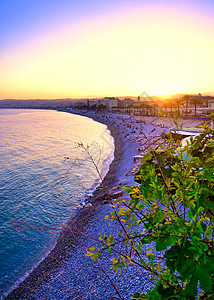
(150, 249)
(210, 264)
(147, 239)
(170, 265)
(191, 290)
(205, 279)
(192, 208)
(147, 156)
(209, 204)
(176, 183)
(139, 248)
(172, 252)
(166, 292)
(210, 144)
(190, 215)
(163, 243)
(180, 260)
(140, 206)
(136, 296)
(188, 268)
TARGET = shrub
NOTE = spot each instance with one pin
(170, 213)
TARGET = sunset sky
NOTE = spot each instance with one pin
(72, 49)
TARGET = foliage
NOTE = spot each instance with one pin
(211, 116)
(167, 225)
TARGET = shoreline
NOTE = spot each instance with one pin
(73, 230)
(68, 248)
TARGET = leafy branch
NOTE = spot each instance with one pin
(169, 211)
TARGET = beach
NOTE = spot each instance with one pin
(66, 273)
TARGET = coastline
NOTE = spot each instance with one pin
(67, 259)
(73, 230)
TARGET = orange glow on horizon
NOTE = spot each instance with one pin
(154, 50)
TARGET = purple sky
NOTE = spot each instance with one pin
(22, 20)
(64, 48)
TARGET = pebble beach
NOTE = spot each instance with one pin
(66, 273)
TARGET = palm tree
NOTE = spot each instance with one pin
(195, 101)
(178, 102)
(185, 99)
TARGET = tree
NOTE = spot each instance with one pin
(167, 225)
(101, 107)
(178, 102)
(195, 101)
(168, 104)
(186, 101)
(93, 107)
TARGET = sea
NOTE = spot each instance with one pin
(47, 171)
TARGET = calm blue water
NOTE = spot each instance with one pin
(44, 177)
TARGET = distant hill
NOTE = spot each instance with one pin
(38, 103)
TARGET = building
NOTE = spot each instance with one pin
(127, 102)
(210, 101)
(111, 102)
